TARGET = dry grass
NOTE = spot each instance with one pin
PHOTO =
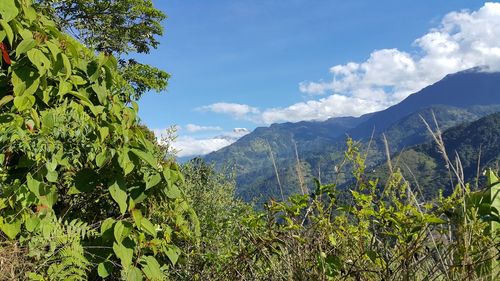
(13, 261)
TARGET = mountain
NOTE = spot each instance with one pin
(462, 89)
(262, 157)
(476, 144)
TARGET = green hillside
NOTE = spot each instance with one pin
(250, 157)
(475, 144)
(293, 154)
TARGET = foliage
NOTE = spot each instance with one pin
(116, 27)
(370, 235)
(220, 215)
(86, 193)
(77, 173)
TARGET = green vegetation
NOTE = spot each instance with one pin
(371, 234)
(117, 27)
(86, 193)
(77, 172)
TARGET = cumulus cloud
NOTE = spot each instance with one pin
(463, 40)
(338, 105)
(193, 128)
(237, 110)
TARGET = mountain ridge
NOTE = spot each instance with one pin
(461, 97)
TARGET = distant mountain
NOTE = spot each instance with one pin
(462, 97)
(477, 145)
(462, 89)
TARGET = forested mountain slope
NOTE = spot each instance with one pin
(473, 146)
(462, 97)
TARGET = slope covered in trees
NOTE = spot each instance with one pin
(305, 150)
(473, 147)
(320, 146)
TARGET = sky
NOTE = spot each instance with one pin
(241, 64)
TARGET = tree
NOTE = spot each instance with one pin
(119, 27)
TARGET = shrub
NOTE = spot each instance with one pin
(77, 172)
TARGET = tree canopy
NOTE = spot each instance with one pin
(119, 27)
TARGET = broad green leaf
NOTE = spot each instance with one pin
(51, 176)
(151, 268)
(5, 100)
(25, 81)
(34, 185)
(29, 12)
(49, 199)
(23, 103)
(77, 80)
(36, 118)
(147, 157)
(134, 274)
(124, 253)
(54, 49)
(48, 121)
(8, 30)
(120, 231)
(64, 88)
(124, 161)
(147, 226)
(433, 219)
(67, 65)
(25, 46)
(173, 252)
(51, 165)
(84, 99)
(11, 229)
(153, 180)
(135, 106)
(107, 224)
(8, 10)
(101, 158)
(491, 177)
(167, 174)
(120, 197)
(101, 92)
(32, 223)
(39, 59)
(173, 192)
(137, 216)
(103, 132)
(104, 269)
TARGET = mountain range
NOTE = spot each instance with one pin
(283, 159)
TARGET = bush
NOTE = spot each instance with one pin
(77, 172)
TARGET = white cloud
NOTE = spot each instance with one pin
(192, 128)
(190, 146)
(463, 40)
(237, 110)
(318, 109)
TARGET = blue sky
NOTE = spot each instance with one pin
(249, 63)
